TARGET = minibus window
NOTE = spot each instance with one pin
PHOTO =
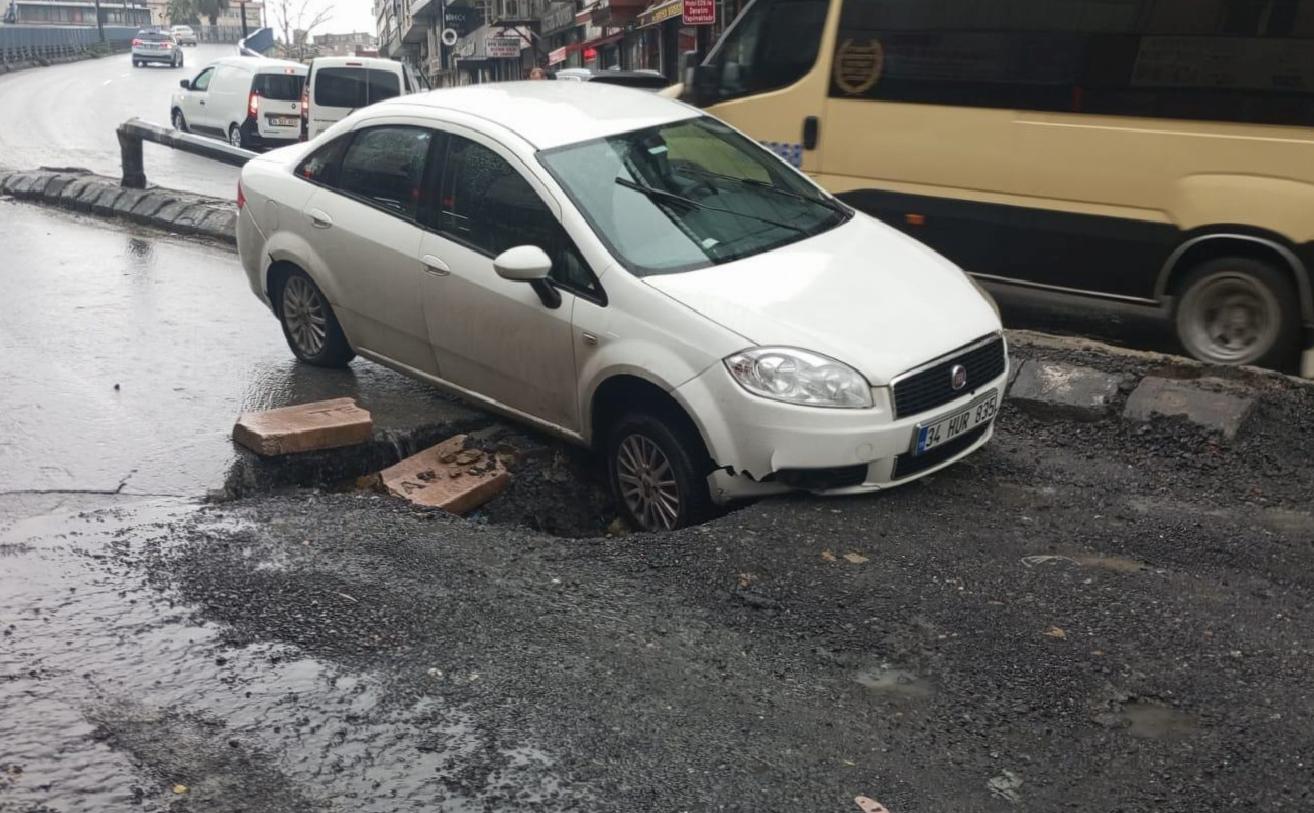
(774, 44)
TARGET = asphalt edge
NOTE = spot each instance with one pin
(80, 190)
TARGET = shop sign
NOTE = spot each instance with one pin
(699, 12)
(558, 56)
(660, 14)
(502, 47)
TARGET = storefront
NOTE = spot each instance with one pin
(661, 36)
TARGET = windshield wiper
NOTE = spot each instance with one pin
(829, 204)
(661, 194)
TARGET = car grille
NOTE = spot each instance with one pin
(908, 464)
(933, 386)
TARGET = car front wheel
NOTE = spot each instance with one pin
(1237, 310)
(658, 473)
(309, 325)
(179, 121)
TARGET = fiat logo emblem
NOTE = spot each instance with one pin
(958, 377)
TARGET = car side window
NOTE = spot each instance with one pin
(322, 165)
(485, 203)
(384, 165)
(202, 80)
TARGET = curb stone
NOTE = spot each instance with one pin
(83, 191)
(1065, 389)
(1212, 404)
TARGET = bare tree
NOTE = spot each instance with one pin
(296, 20)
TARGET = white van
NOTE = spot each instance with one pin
(338, 85)
(250, 101)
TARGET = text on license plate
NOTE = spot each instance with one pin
(283, 121)
(946, 429)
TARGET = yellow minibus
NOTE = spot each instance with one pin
(1151, 152)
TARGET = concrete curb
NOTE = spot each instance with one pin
(82, 191)
(14, 67)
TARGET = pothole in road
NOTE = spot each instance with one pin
(554, 488)
(894, 683)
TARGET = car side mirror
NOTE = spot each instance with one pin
(185, 84)
(529, 264)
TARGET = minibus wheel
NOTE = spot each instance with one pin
(1238, 310)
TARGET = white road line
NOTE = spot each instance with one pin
(123, 76)
(106, 82)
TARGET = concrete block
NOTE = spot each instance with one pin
(447, 476)
(22, 186)
(148, 205)
(104, 202)
(304, 428)
(221, 224)
(169, 213)
(128, 199)
(1209, 403)
(69, 194)
(56, 186)
(89, 195)
(1065, 389)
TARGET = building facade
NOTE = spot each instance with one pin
(345, 44)
(458, 42)
(72, 12)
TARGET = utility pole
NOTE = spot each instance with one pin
(100, 23)
(241, 6)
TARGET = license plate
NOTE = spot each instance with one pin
(980, 411)
(284, 121)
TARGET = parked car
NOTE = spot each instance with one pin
(644, 79)
(338, 85)
(628, 273)
(155, 45)
(250, 101)
(183, 35)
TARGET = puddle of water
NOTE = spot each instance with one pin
(113, 694)
(1117, 564)
(895, 682)
(1152, 721)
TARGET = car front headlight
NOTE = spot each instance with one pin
(799, 377)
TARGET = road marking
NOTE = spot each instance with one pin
(123, 76)
(106, 82)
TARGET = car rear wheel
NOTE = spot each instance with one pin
(1237, 310)
(136, 63)
(235, 136)
(179, 121)
(311, 329)
(658, 473)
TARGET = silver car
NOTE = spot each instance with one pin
(155, 45)
(183, 34)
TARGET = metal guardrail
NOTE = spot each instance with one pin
(134, 132)
(29, 43)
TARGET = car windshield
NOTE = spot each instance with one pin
(688, 195)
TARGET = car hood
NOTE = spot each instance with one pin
(862, 293)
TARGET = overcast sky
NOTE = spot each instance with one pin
(348, 15)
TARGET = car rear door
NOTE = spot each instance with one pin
(361, 222)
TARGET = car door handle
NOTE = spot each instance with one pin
(435, 266)
(320, 220)
(203, 103)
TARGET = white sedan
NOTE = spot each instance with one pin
(625, 272)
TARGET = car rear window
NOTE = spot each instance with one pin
(354, 87)
(281, 86)
(152, 36)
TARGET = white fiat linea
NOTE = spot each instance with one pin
(623, 271)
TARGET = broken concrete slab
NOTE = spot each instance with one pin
(304, 428)
(1065, 389)
(447, 476)
(1210, 403)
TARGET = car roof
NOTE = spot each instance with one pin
(551, 114)
(260, 64)
(356, 61)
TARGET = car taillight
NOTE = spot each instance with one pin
(241, 196)
(252, 106)
(305, 110)
(166, 44)
(136, 43)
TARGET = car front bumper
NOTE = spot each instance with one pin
(766, 447)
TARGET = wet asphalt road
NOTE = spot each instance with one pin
(128, 356)
(65, 116)
(1080, 617)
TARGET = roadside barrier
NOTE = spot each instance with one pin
(134, 131)
(21, 44)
